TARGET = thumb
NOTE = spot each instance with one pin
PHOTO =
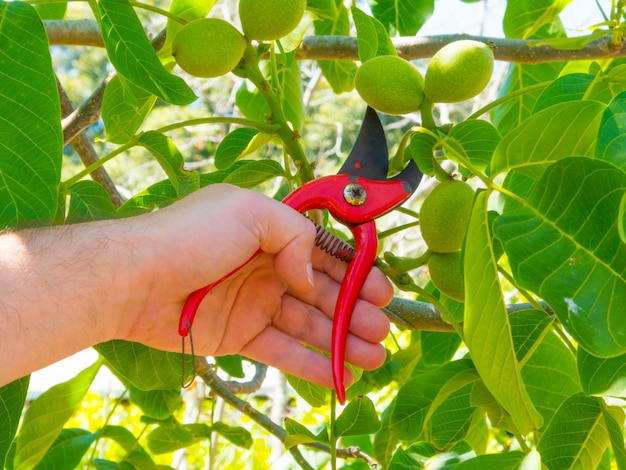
(291, 238)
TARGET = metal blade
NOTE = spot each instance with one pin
(369, 158)
(411, 174)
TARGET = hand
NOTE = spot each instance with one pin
(269, 310)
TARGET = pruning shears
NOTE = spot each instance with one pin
(355, 197)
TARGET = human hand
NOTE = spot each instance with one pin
(269, 311)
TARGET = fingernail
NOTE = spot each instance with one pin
(309, 273)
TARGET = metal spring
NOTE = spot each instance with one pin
(332, 244)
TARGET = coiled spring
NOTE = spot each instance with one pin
(332, 244)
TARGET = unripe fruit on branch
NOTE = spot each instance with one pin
(458, 71)
(266, 20)
(445, 214)
(208, 47)
(446, 272)
(390, 85)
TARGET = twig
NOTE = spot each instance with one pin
(252, 385)
(87, 32)
(423, 316)
(89, 110)
(219, 387)
(87, 153)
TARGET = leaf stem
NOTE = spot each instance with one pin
(333, 437)
(291, 138)
(263, 127)
(159, 11)
(509, 97)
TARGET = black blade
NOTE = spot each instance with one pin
(411, 174)
(369, 158)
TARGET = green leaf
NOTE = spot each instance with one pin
(563, 244)
(487, 328)
(475, 140)
(550, 374)
(235, 145)
(158, 404)
(385, 442)
(532, 78)
(144, 367)
(68, 450)
(372, 37)
(31, 140)
(419, 398)
(335, 21)
(315, 395)
(609, 84)
(358, 417)
(570, 87)
(513, 460)
(406, 17)
(577, 435)
(524, 18)
(254, 106)
(298, 434)
(562, 130)
(133, 56)
(602, 376)
(611, 136)
(417, 456)
(451, 420)
(421, 149)
(231, 364)
(438, 347)
(528, 327)
(614, 419)
(156, 196)
(12, 398)
(621, 219)
(237, 435)
(171, 160)
(124, 108)
(253, 173)
(403, 460)
(89, 201)
(51, 11)
(170, 438)
(45, 417)
(136, 456)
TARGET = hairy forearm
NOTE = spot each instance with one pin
(62, 289)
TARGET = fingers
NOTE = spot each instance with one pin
(290, 236)
(368, 321)
(312, 327)
(377, 288)
(279, 350)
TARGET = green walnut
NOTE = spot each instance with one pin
(390, 85)
(445, 214)
(208, 47)
(458, 71)
(446, 272)
(266, 20)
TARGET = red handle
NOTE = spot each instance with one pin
(365, 247)
(194, 300)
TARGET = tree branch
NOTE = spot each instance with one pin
(260, 370)
(87, 33)
(221, 389)
(416, 315)
(86, 152)
(89, 110)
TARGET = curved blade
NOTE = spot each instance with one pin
(411, 174)
(369, 158)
